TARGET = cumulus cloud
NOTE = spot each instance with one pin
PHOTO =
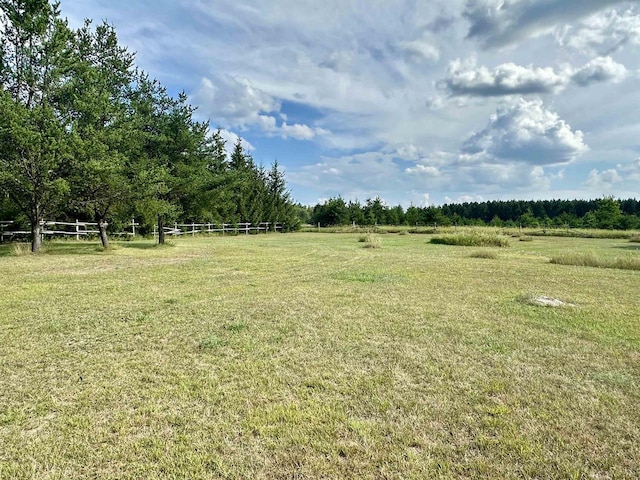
(603, 180)
(498, 23)
(603, 33)
(601, 69)
(301, 132)
(527, 132)
(607, 179)
(235, 102)
(465, 78)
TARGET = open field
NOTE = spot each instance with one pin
(309, 356)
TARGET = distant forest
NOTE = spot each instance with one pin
(605, 213)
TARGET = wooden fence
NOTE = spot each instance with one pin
(222, 228)
(79, 229)
(75, 229)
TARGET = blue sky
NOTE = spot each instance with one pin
(422, 102)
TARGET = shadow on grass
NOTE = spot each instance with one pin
(81, 248)
(628, 247)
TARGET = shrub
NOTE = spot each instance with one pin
(471, 240)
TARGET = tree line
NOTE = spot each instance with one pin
(86, 134)
(605, 213)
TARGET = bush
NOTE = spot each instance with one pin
(471, 240)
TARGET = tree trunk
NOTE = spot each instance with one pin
(104, 238)
(160, 230)
(36, 235)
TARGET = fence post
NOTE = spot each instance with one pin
(133, 226)
(193, 229)
(77, 230)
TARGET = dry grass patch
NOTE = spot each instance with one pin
(474, 239)
(371, 240)
(629, 262)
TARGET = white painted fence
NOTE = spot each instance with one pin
(235, 228)
(64, 229)
(83, 229)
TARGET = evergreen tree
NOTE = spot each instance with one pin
(95, 99)
(34, 143)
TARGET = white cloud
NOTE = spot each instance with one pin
(424, 170)
(301, 132)
(601, 69)
(527, 132)
(420, 50)
(497, 23)
(603, 180)
(614, 177)
(465, 78)
(236, 103)
(232, 138)
(603, 33)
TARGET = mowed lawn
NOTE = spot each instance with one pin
(308, 356)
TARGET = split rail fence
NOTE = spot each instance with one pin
(80, 230)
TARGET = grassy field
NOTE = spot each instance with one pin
(309, 356)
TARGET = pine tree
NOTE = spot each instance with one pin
(34, 143)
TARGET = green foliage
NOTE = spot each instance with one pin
(471, 240)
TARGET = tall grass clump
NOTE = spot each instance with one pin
(471, 240)
(371, 240)
(635, 239)
(610, 234)
(21, 249)
(592, 260)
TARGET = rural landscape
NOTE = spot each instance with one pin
(169, 309)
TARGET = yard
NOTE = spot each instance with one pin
(308, 356)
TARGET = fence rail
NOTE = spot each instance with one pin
(64, 229)
(84, 229)
(178, 229)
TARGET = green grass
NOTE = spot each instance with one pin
(473, 239)
(307, 356)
